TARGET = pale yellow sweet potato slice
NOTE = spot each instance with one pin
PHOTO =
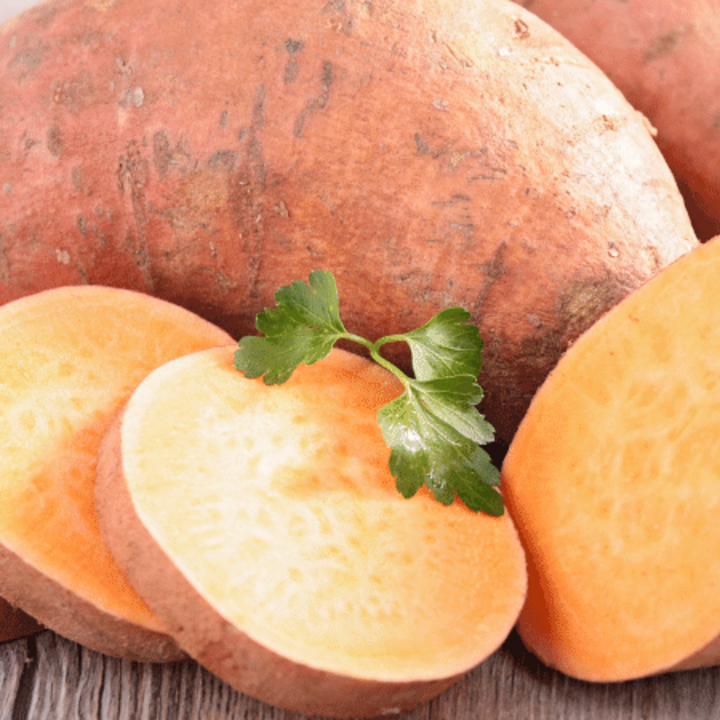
(69, 358)
(262, 526)
(14, 623)
(614, 483)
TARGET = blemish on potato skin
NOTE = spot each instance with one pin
(493, 271)
(54, 141)
(28, 144)
(422, 148)
(135, 97)
(291, 69)
(162, 155)
(123, 67)
(223, 160)
(294, 46)
(28, 60)
(666, 44)
(585, 301)
(316, 104)
(521, 29)
(132, 176)
(258, 110)
(76, 93)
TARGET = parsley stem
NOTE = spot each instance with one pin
(374, 348)
(394, 369)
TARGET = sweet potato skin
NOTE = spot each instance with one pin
(664, 58)
(429, 154)
(14, 623)
(76, 618)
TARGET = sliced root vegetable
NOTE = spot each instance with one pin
(612, 480)
(69, 358)
(263, 527)
(14, 623)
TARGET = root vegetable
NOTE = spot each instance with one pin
(428, 153)
(69, 358)
(612, 480)
(664, 57)
(263, 527)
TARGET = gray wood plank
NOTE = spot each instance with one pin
(49, 678)
(12, 663)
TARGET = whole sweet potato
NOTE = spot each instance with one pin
(428, 153)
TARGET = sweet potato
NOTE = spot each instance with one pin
(428, 152)
(14, 623)
(263, 527)
(69, 357)
(612, 480)
(664, 56)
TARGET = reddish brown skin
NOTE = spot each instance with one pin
(664, 56)
(14, 623)
(72, 616)
(217, 644)
(209, 153)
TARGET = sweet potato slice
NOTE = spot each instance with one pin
(612, 480)
(14, 623)
(69, 358)
(262, 526)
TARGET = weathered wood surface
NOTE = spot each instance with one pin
(48, 678)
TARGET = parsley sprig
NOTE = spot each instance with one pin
(433, 429)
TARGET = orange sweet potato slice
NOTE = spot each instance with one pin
(614, 483)
(263, 527)
(69, 358)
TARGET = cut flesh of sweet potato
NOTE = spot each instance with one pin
(262, 526)
(69, 358)
(14, 623)
(613, 481)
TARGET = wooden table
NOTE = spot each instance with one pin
(46, 677)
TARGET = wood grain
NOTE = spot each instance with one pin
(46, 677)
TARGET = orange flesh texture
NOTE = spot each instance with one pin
(276, 503)
(68, 359)
(612, 480)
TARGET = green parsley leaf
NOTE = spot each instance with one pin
(445, 346)
(429, 446)
(315, 305)
(433, 429)
(303, 328)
